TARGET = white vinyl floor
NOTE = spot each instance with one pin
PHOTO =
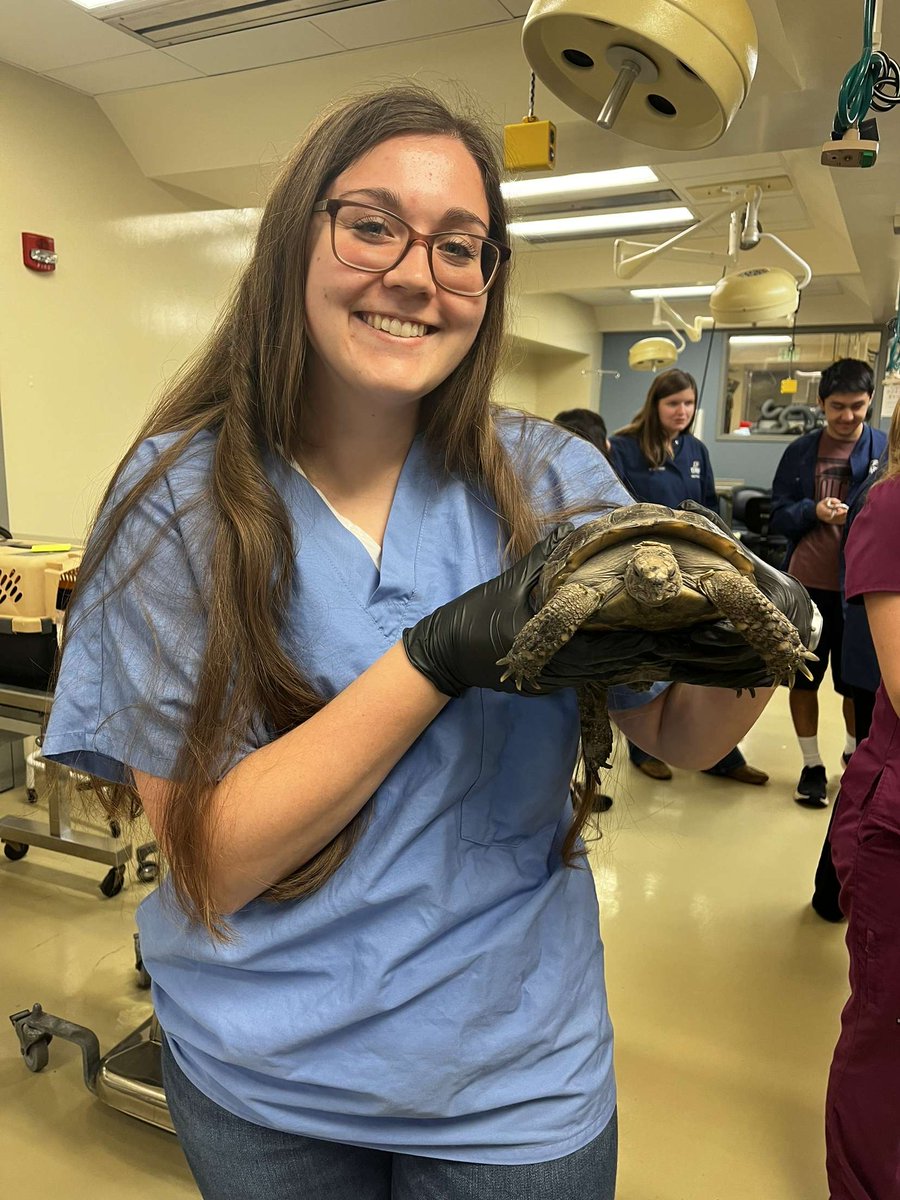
(725, 990)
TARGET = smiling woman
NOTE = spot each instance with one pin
(377, 973)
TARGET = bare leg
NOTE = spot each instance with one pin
(805, 712)
(849, 716)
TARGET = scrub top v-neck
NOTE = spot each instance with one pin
(442, 994)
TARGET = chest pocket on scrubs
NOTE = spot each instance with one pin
(527, 753)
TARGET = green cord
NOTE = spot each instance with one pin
(856, 93)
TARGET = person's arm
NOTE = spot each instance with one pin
(883, 612)
(283, 802)
(793, 515)
(692, 727)
(619, 458)
(710, 496)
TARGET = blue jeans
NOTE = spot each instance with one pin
(233, 1159)
(732, 759)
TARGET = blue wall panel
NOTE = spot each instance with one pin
(754, 462)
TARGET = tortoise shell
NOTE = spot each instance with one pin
(598, 552)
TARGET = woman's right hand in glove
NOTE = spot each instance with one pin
(459, 644)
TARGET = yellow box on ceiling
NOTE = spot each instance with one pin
(530, 145)
(789, 387)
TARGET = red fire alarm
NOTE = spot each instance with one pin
(38, 252)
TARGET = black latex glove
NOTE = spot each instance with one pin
(458, 645)
(785, 592)
(714, 654)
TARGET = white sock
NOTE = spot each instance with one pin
(809, 748)
(849, 745)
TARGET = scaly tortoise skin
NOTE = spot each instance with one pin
(646, 566)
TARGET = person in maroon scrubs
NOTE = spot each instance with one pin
(862, 1119)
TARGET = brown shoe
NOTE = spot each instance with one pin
(747, 774)
(655, 768)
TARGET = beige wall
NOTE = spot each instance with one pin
(83, 351)
(554, 351)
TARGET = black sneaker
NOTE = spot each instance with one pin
(812, 787)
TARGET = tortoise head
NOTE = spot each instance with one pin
(652, 575)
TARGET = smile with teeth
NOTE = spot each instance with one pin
(401, 329)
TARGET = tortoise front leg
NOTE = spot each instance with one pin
(540, 638)
(763, 626)
(596, 731)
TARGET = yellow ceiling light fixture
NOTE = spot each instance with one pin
(745, 297)
(750, 297)
(669, 73)
(654, 354)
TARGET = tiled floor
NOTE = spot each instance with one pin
(725, 990)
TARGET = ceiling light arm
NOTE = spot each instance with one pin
(666, 316)
(628, 265)
(744, 233)
(805, 268)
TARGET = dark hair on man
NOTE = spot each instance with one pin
(847, 376)
(586, 424)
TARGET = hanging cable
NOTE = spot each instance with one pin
(872, 83)
(531, 99)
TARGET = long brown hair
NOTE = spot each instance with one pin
(646, 427)
(246, 386)
(893, 448)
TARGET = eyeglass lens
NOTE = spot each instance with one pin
(375, 241)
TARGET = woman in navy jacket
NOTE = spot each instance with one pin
(661, 462)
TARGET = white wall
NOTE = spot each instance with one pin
(83, 351)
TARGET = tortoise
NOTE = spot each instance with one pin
(646, 566)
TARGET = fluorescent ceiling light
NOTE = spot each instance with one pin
(700, 289)
(588, 182)
(100, 3)
(616, 222)
(761, 339)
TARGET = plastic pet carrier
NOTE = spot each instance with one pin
(36, 581)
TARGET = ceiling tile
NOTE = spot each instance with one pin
(403, 20)
(517, 8)
(44, 35)
(284, 42)
(144, 69)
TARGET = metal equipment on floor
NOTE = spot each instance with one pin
(127, 1078)
(23, 711)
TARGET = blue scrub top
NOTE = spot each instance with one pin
(443, 993)
(687, 475)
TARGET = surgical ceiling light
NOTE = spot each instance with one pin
(745, 297)
(596, 225)
(669, 73)
(586, 183)
(653, 354)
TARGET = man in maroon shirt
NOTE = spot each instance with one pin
(817, 479)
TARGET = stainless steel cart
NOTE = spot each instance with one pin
(127, 1078)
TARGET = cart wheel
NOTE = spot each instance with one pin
(31, 795)
(148, 871)
(15, 850)
(37, 1055)
(113, 881)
